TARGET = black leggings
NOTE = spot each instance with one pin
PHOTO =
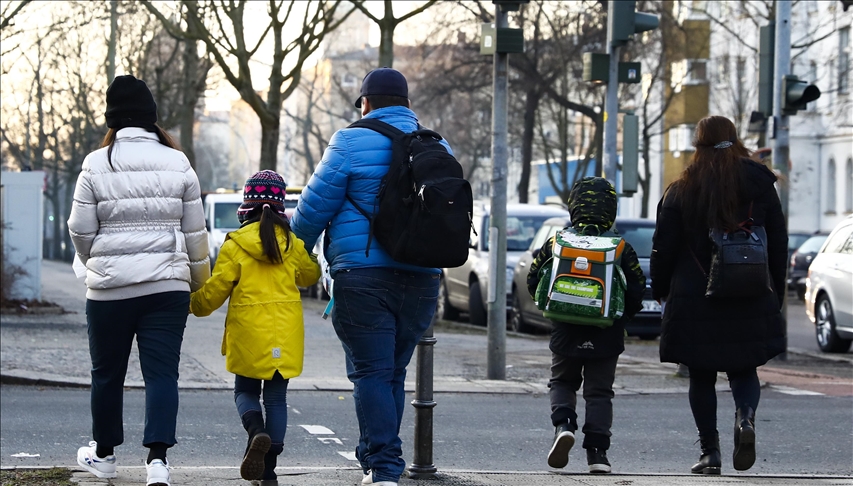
(746, 391)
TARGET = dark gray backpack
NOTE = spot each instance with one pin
(739, 263)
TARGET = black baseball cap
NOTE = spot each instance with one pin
(383, 81)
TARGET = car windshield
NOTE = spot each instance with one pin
(520, 231)
(640, 238)
(225, 216)
(795, 241)
(813, 244)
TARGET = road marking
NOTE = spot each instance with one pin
(327, 440)
(348, 455)
(317, 430)
(793, 391)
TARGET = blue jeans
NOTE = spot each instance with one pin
(158, 322)
(380, 315)
(247, 396)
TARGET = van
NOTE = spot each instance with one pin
(220, 214)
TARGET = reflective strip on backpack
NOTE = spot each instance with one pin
(574, 299)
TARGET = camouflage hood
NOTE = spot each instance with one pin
(592, 205)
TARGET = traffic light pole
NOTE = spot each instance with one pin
(780, 129)
(496, 353)
(611, 114)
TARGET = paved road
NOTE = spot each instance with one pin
(651, 433)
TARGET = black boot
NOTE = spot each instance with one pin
(744, 454)
(710, 462)
(270, 460)
(257, 446)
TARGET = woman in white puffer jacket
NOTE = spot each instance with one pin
(137, 223)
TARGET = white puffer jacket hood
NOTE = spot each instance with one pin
(138, 226)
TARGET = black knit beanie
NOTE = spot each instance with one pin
(130, 104)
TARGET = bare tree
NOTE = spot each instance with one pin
(9, 12)
(387, 24)
(222, 26)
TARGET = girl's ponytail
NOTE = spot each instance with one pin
(269, 241)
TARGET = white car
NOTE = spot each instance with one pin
(220, 214)
(829, 290)
(464, 288)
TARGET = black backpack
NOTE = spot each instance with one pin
(422, 213)
(739, 263)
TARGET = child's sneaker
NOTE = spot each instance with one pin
(158, 473)
(597, 460)
(564, 439)
(102, 467)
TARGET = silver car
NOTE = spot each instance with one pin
(829, 290)
(463, 289)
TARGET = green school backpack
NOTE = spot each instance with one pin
(583, 282)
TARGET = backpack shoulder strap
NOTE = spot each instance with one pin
(379, 126)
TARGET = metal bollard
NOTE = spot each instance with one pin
(422, 466)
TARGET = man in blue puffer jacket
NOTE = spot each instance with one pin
(382, 307)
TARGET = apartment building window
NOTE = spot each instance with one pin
(688, 72)
(830, 187)
(849, 184)
(723, 68)
(681, 139)
(844, 60)
(349, 81)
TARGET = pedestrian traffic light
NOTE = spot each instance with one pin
(623, 22)
(796, 94)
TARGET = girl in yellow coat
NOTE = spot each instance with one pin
(259, 267)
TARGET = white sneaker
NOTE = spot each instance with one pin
(158, 473)
(102, 467)
(368, 479)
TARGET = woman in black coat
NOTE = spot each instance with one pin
(720, 188)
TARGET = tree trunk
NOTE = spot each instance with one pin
(111, 49)
(530, 106)
(645, 181)
(192, 90)
(269, 144)
(386, 44)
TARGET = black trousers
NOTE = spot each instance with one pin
(596, 375)
(157, 321)
(746, 391)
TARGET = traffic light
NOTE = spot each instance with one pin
(623, 22)
(796, 94)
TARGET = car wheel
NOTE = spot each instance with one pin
(827, 339)
(516, 319)
(443, 309)
(476, 310)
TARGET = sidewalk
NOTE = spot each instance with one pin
(227, 476)
(51, 349)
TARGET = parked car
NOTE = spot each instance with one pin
(796, 240)
(463, 289)
(638, 232)
(800, 261)
(829, 290)
(220, 213)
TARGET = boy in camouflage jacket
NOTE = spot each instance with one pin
(586, 354)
